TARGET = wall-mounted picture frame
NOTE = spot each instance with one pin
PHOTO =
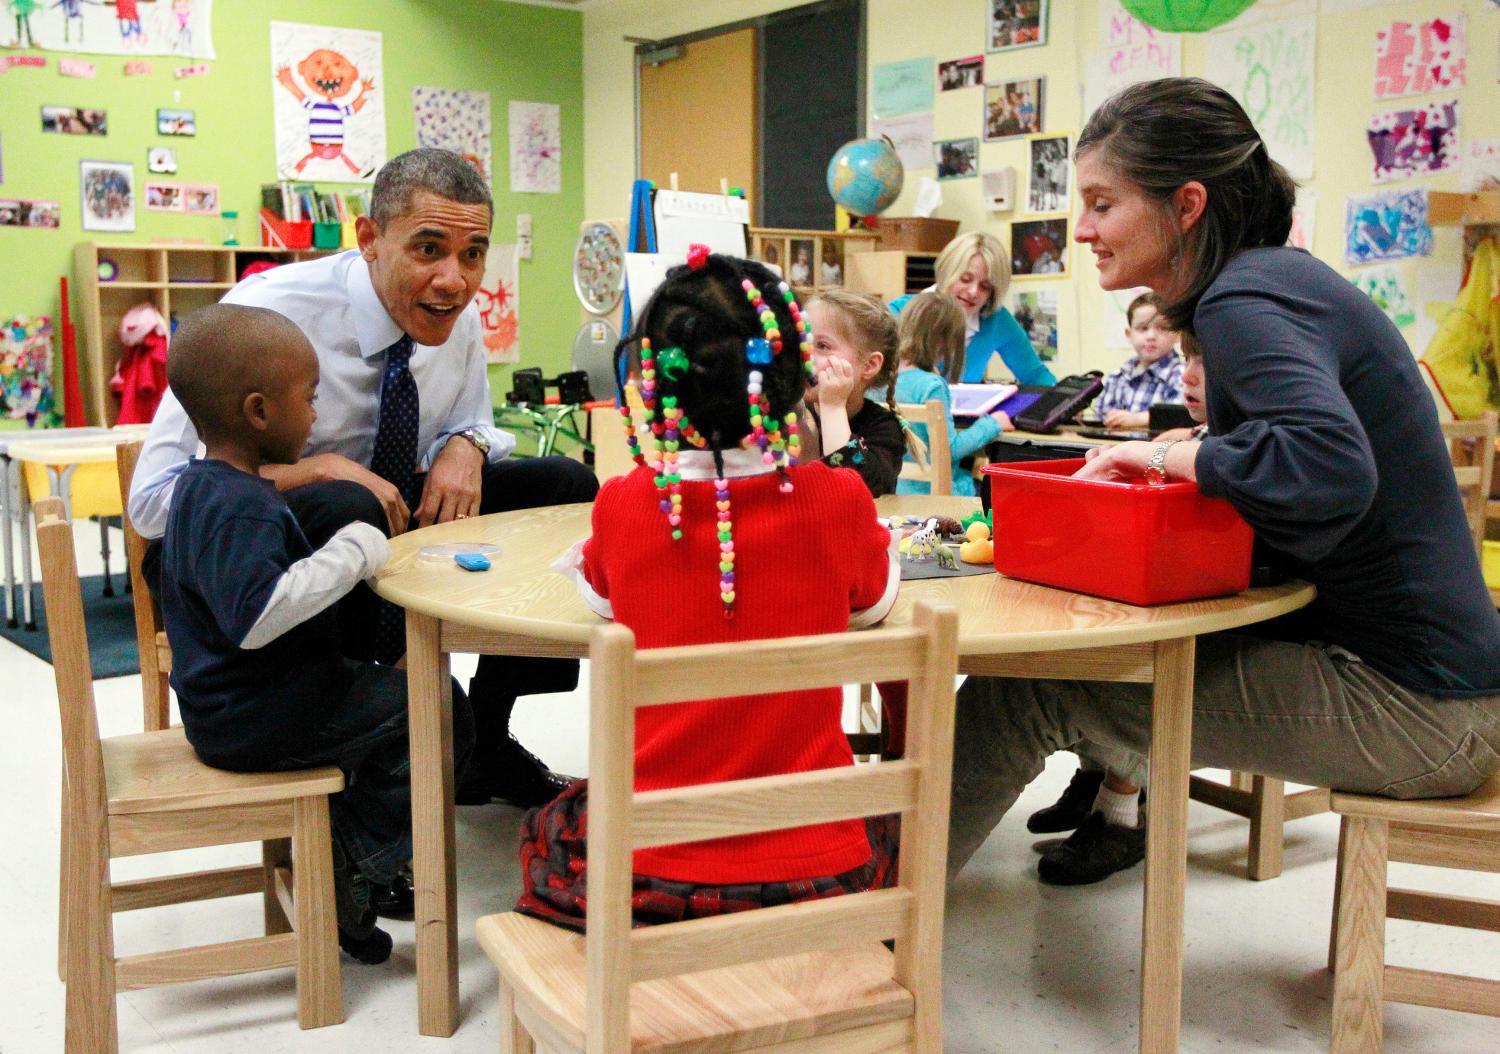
(200, 199)
(1016, 24)
(161, 160)
(956, 158)
(107, 189)
(176, 122)
(1039, 248)
(961, 73)
(163, 197)
(1014, 108)
(1049, 175)
(74, 120)
(24, 212)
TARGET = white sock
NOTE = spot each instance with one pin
(1122, 810)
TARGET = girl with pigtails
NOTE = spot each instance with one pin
(720, 534)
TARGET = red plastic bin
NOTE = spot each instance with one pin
(1134, 542)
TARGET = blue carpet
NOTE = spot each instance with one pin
(111, 627)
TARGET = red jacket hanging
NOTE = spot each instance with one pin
(140, 379)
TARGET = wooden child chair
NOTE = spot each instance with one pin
(811, 977)
(150, 632)
(938, 469)
(148, 793)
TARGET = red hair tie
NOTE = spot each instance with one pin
(697, 256)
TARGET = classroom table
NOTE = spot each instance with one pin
(1006, 628)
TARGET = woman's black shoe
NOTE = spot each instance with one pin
(395, 901)
(1072, 808)
(511, 774)
(1093, 852)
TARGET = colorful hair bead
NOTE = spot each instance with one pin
(726, 546)
(673, 364)
(758, 351)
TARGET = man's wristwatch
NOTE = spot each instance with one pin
(479, 439)
(1156, 465)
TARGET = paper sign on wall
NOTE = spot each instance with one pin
(903, 87)
(1133, 52)
(1269, 69)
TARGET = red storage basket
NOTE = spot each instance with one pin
(1134, 542)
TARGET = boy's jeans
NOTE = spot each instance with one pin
(1304, 712)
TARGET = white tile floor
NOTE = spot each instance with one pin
(1029, 968)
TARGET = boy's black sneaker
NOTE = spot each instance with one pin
(370, 950)
(1096, 850)
(397, 900)
(1072, 808)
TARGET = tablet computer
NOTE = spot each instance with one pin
(975, 400)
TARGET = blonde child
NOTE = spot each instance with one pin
(932, 333)
(727, 538)
(1152, 375)
(854, 349)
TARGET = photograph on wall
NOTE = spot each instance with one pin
(1389, 226)
(1039, 248)
(1417, 142)
(328, 97)
(956, 158)
(163, 197)
(799, 270)
(176, 122)
(771, 252)
(1048, 183)
(456, 120)
(831, 263)
(1417, 58)
(961, 73)
(111, 27)
(1013, 108)
(200, 199)
(1035, 310)
(535, 147)
(108, 192)
(22, 212)
(1016, 24)
(499, 303)
(162, 160)
(74, 120)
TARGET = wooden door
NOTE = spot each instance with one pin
(699, 116)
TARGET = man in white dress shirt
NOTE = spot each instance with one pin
(405, 431)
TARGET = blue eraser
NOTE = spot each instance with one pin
(472, 561)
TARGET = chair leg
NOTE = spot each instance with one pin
(274, 853)
(514, 1039)
(109, 585)
(1241, 781)
(63, 850)
(1267, 826)
(90, 1023)
(320, 986)
(158, 699)
(1359, 974)
(1338, 885)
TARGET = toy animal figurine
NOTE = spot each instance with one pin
(923, 542)
(945, 558)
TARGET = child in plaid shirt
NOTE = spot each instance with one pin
(1152, 375)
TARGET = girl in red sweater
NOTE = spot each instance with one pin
(720, 535)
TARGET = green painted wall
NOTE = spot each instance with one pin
(513, 51)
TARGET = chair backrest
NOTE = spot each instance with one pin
(938, 468)
(1471, 444)
(148, 620)
(623, 679)
(82, 756)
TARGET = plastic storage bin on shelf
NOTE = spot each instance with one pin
(1134, 542)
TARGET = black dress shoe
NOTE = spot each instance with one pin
(395, 901)
(372, 949)
(1093, 852)
(1072, 808)
(511, 774)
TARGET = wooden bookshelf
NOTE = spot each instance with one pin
(776, 245)
(175, 277)
(891, 273)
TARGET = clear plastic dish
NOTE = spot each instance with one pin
(444, 552)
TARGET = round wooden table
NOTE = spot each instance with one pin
(1006, 628)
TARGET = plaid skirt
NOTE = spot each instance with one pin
(554, 873)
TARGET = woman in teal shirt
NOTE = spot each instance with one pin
(975, 270)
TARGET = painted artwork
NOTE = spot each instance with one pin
(329, 103)
(1013, 108)
(1049, 171)
(1414, 142)
(1417, 58)
(1388, 226)
(1269, 68)
(499, 303)
(1039, 248)
(108, 192)
(956, 158)
(1133, 52)
(961, 73)
(535, 148)
(1035, 310)
(1479, 168)
(1385, 286)
(116, 27)
(457, 120)
(1016, 24)
(26, 368)
(24, 212)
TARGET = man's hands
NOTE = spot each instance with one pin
(452, 487)
(320, 468)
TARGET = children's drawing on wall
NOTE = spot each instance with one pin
(455, 120)
(108, 191)
(1132, 52)
(26, 368)
(111, 27)
(1304, 220)
(329, 102)
(1035, 310)
(1387, 226)
(1479, 169)
(1048, 190)
(1269, 69)
(1414, 142)
(535, 148)
(499, 304)
(1039, 248)
(1415, 58)
(1387, 288)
